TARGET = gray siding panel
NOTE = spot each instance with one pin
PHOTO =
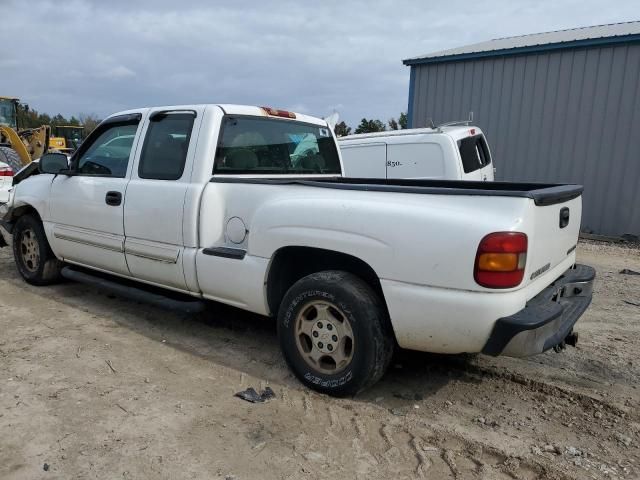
(560, 116)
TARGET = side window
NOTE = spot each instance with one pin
(165, 147)
(474, 153)
(108, 154)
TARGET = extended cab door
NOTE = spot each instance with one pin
(154, 209)
(86, 208)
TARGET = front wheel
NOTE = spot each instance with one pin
(35, 261)
(334, 333)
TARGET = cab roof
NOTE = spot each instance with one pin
(231, 109)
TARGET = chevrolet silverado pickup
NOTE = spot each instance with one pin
(247, 206)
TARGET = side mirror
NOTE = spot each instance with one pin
(54, 163)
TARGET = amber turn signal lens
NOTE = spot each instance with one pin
(498, 262)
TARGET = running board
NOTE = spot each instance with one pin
(134, 293)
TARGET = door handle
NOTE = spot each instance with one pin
(113, 198)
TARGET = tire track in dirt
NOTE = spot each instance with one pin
(587, 401)
(361, 438)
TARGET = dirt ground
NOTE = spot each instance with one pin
(93, 386)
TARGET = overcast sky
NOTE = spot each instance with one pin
(314, 57)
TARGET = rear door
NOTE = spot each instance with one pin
(86, 209)
(153, 214)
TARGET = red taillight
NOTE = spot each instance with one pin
(6, 172)
(274, 112)
(501, 259)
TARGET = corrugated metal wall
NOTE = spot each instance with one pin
(562, 116)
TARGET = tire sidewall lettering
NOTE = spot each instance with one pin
(288, 320)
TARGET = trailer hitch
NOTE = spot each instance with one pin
(571, 340)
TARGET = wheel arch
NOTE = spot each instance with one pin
(17, 212)
(291, 263)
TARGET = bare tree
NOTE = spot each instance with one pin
(90, 121)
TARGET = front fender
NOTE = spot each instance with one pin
(30, 195)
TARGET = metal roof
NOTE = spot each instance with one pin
(572, 38)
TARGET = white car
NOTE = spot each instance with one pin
(6, 181)
(448, 152)
(218, 202)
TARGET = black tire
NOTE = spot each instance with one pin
(11, 158)
(33, 256)
(372, 343)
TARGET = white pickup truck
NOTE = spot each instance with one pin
(246, 206)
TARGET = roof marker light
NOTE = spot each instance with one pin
(274, 112)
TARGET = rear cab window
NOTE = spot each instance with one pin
(164, 152)
(474, 153)
(269, 146)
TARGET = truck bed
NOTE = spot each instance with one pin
(541, 193)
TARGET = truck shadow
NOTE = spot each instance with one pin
(247, 342)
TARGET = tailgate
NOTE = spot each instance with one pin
(554, 236)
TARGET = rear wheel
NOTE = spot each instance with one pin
(35, 261)
(10, 157)
(334, 333)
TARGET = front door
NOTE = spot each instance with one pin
(87, 207)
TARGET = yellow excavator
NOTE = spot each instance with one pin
(66, 138)
(19, 147)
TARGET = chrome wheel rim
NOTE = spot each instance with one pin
(30, 250)
(324, 337)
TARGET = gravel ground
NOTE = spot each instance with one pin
(93, 386)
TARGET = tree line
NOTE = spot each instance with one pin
(372, 125)
(30, 118)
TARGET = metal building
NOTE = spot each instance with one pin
(556, 107)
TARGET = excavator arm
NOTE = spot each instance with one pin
(28, 144)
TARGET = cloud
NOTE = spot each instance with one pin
(118, 72)
(317, 58)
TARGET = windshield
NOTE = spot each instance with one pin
(265, 146)
(8, 113)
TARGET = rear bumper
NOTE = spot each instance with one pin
(547, 318)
